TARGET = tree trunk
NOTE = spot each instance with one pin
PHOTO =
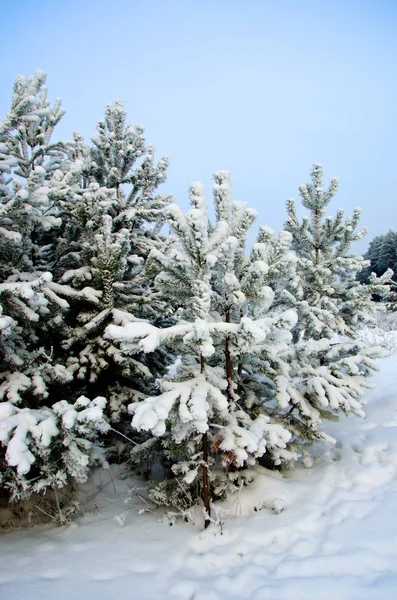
(204, 468)
(229, 370)
(239, 366)
(206, 485)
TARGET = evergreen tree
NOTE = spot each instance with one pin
(94, 300)
(46, 448)
(29, 307)
(387, 258)
(32, 310)
(211, 409)
(112, 220)
(328, 367)
(382, 254)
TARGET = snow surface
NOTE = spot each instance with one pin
(325, 533)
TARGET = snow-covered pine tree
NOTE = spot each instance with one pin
(328, 268)
(31, 310)
(120, 159)
(46, 448)
(29, 307)
(112, 220)
(328, 367)
(243, 295)
(207, 413)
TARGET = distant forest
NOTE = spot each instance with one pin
(382, 253)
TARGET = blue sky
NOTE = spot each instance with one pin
(261, 88)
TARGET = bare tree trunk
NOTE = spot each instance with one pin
(229, 370)
(204, 468)
(206, 485)
(240, 365)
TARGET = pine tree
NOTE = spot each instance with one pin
(328, 367)
(112, 220)
(28, 162)
(119, 159)
(39, 449)
(243, 295)
(207, 410)
(46, 448)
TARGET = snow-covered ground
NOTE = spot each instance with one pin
(329, 532)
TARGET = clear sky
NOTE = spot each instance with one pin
(263, 88)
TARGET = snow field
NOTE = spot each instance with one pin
(314, 534)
